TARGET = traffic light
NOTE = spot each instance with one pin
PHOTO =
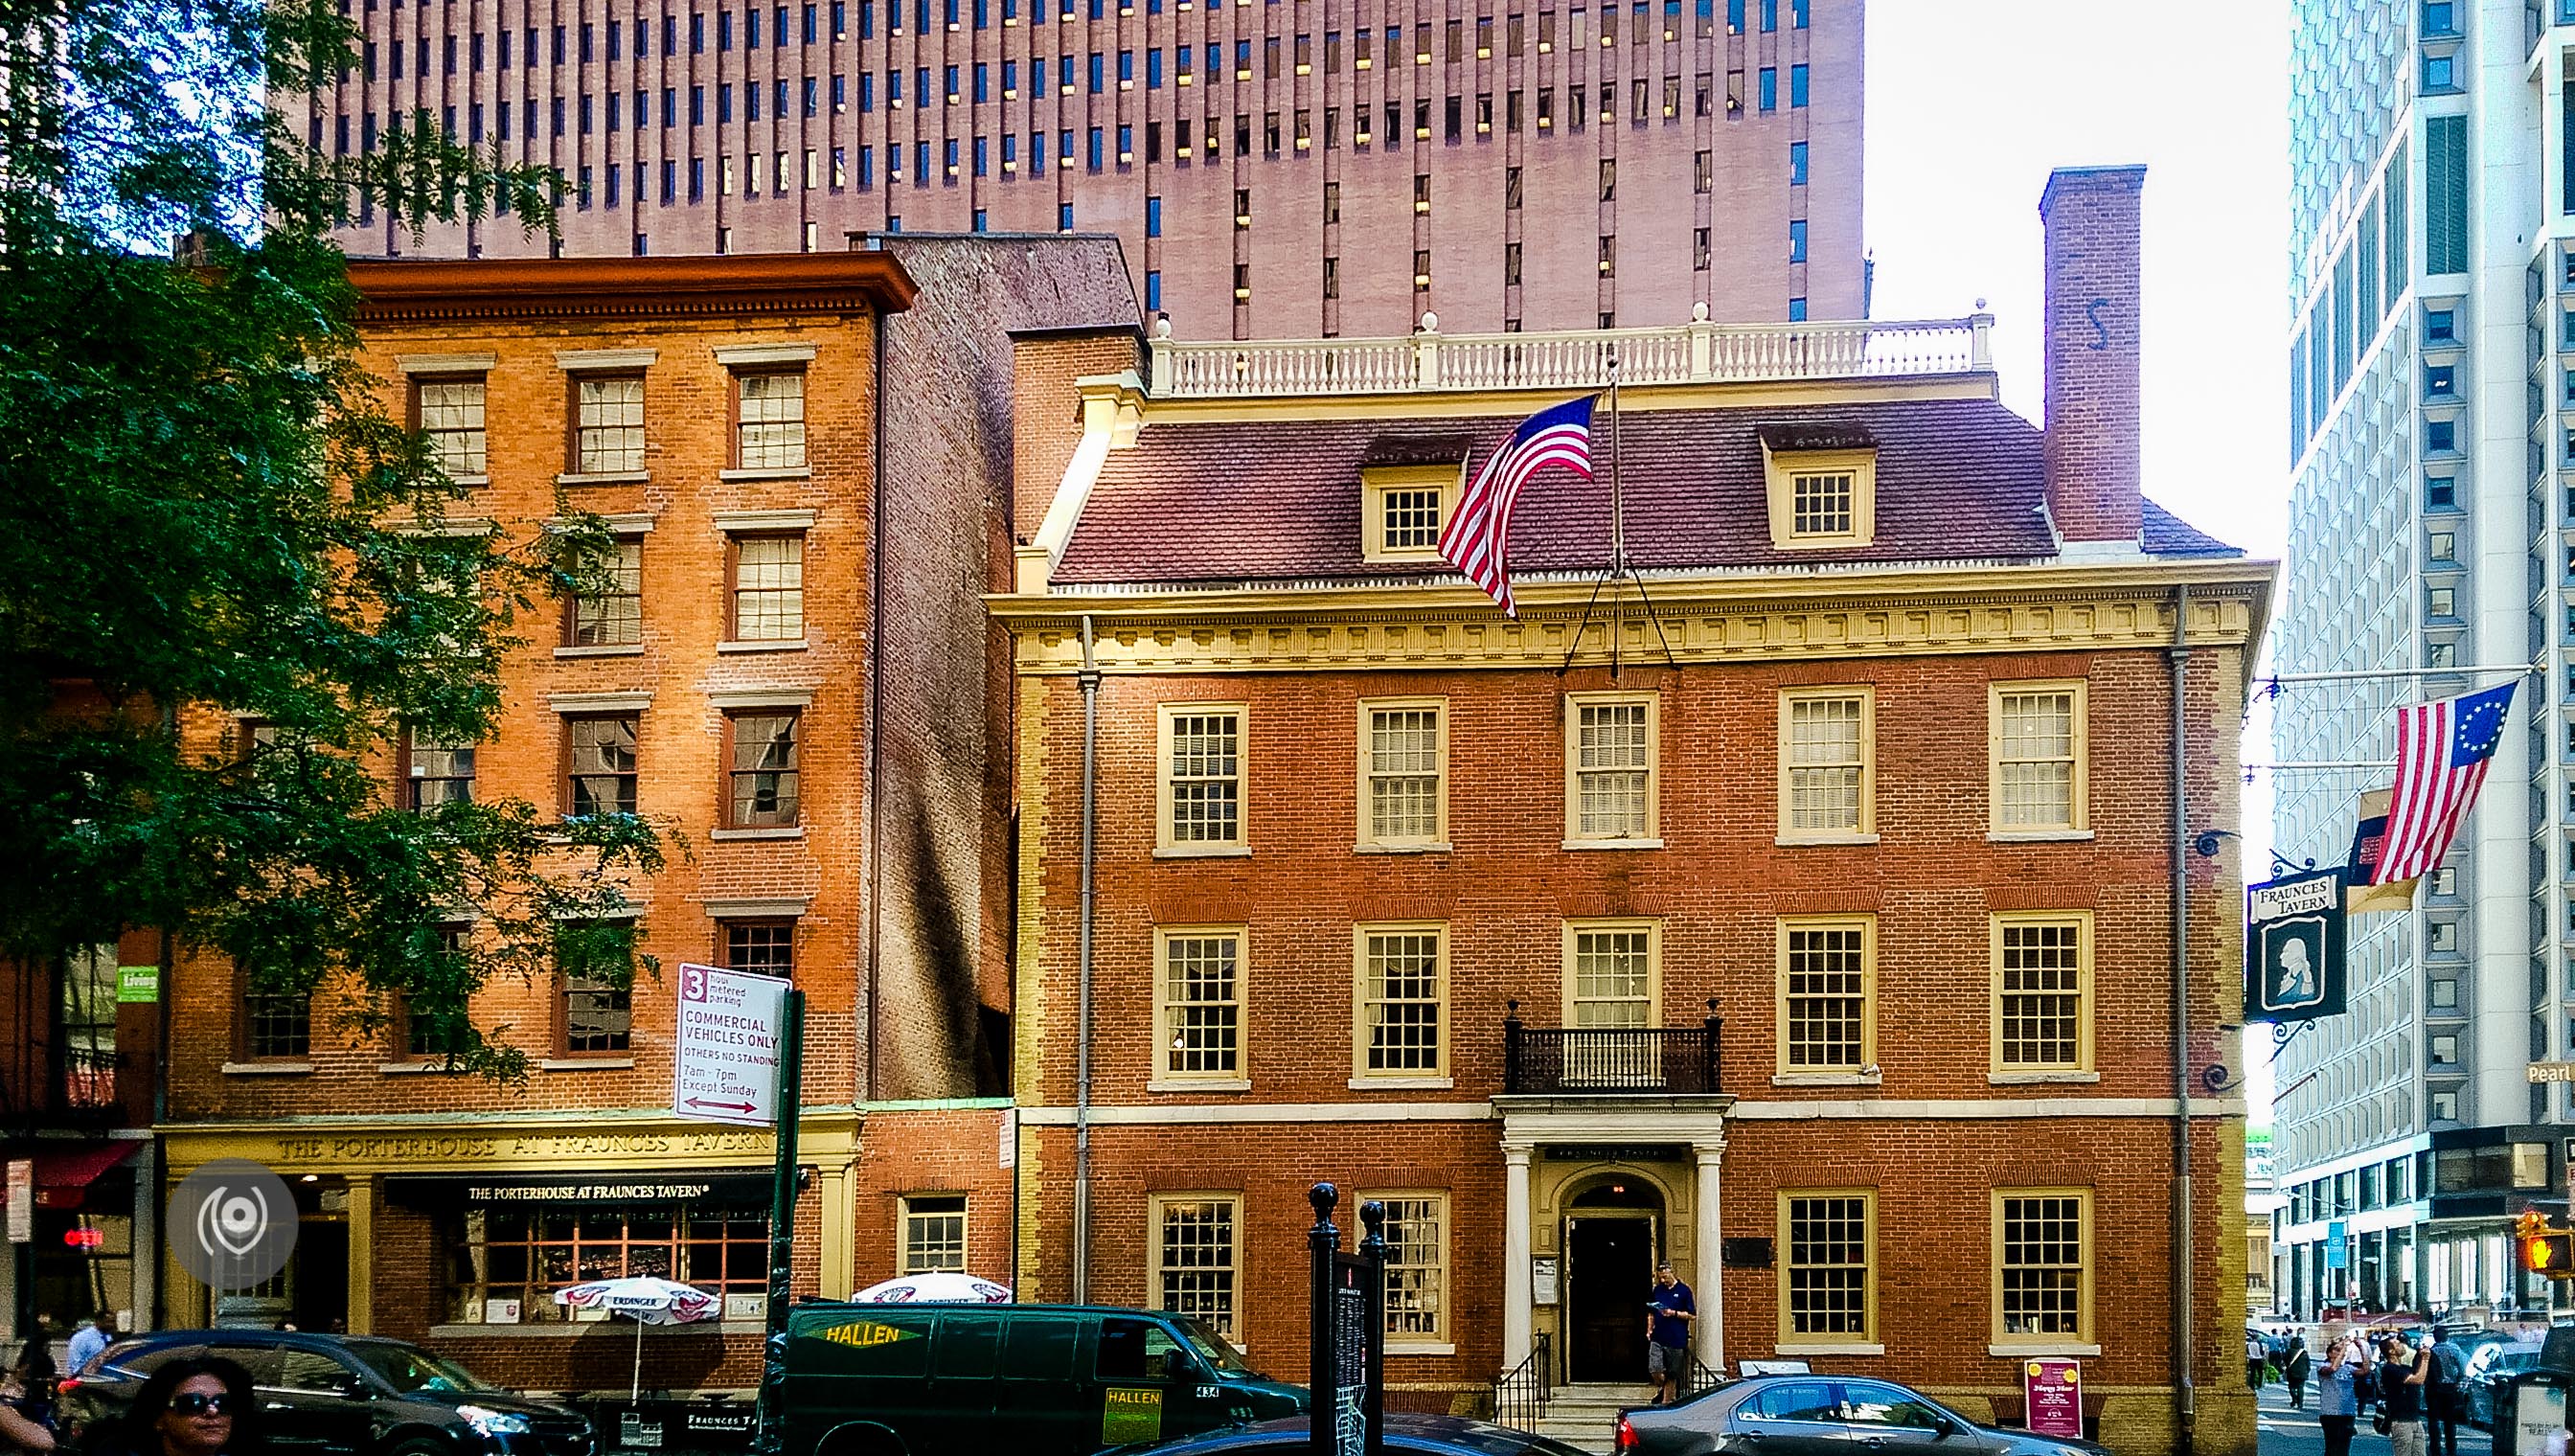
(2548, 1252)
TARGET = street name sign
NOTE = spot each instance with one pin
(726, 1069)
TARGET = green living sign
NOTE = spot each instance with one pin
(138, 983)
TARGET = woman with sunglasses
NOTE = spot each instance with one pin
(194, 1407)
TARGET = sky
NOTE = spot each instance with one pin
(1970, 103)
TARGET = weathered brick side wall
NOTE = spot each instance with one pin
(915, 1150)
(2092, 352)
(943, 976)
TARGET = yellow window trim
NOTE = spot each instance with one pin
(1446, 1330)
(902, 1224)
(2088, 1322)
(1359, 934)
(1164, 1026)
(1575, 930)
(1575, 702)
(1790, 1335)
(1368, 835)
(1163, 842)
(2082, 922)
(1155, 1203)
(1375, 484)
(1780, 469)
(1789, 698)
(1867, 928)
(2079, 808)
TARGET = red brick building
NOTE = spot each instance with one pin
(1811, 925)
(1282, 170)
(792, 678)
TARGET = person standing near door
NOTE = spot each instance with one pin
(1668, 1313)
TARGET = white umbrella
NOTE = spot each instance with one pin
(935, 1288)
(645, 1300)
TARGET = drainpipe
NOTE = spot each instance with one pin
(871, 1085)
(2186, 1401)
(1090, 680)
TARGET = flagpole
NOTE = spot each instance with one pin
(1617, 525)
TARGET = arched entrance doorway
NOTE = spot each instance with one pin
(1614, 1233)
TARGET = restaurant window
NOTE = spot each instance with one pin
(1194, 1258)
(2043, 1269)
(510, 1260)
(1417, 1267)
(1825, 1281)
(934, 1233)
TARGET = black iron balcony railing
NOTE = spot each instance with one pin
(1629, 1060)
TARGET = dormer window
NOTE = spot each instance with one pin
(1823, 487)
(1406, 490)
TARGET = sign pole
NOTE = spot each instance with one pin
(782, 1227)
(1324, 1242)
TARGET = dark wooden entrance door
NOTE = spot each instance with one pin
(1609, 1270)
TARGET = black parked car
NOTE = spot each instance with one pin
(1823, 1416)
(1407, 1435)
(334, 1395)
(2492, 1364)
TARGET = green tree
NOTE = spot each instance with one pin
(208, 519)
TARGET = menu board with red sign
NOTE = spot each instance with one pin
(2053, 1390)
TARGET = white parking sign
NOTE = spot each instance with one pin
(726, 1069)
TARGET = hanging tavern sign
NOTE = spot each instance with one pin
(2293, 948)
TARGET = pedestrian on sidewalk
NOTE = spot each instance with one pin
(2337, 1391)
(2443, 1400)
(1668, 1312)
(2401, 1375)
(2294, 1365)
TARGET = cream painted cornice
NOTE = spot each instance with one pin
(1467, 404)
(1706, 620)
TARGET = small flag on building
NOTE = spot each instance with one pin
(2369, 848)
(2443, 749)
(1479, 534)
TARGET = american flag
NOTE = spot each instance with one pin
(2443, 751)
(1479, 534)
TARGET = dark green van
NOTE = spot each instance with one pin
(1017, 1379)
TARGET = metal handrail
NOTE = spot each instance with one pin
(1668, 1060)
(1521, 1393)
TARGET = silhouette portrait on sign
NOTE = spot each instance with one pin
(2291, 959)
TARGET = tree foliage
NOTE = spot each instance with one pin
(229, 581)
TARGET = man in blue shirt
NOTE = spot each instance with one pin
(1668, 1312)
(91, 1338)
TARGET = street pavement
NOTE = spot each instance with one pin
(2286, 1432)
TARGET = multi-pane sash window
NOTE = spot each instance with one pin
(1194, 1264)
(1408, 519)
(1825, 1280)
(1202, 777)
(2041, 987)
(768, 587)
(772, 421)
(1824, 995)
(1200, 1021)
(600, 766)
(438, 771)
(1824, 750)
(608, 439)
(1416, 1266)
(1611, 748)
(598, 1017)
(1820, 504)
(1405, 788)
(451, 416)
(2041, 1280)
(1611, 986)
(763, 777)
(1402, 999)
(516, 1258)
(277, 1024)
(2037, 757)
(428, 1034)
(87, 1055)
(766, 946)
(934, 1233)
(614, 615)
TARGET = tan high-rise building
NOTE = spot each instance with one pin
(1281, 169)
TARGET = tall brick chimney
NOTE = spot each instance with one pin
(2091, 438)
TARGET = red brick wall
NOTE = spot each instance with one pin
(2091, 444)
(1047, 413)
(905, 1151)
